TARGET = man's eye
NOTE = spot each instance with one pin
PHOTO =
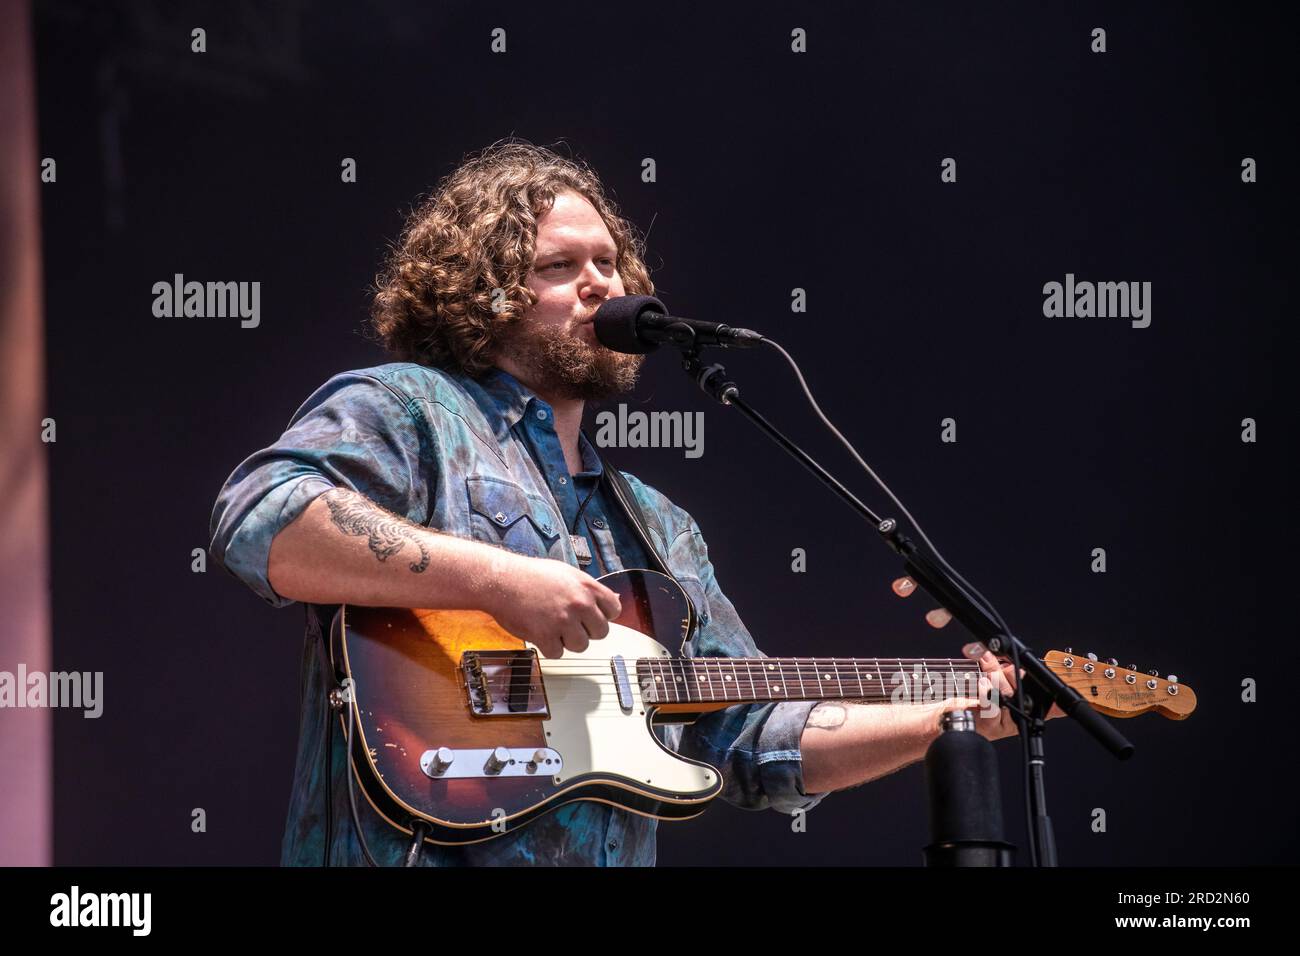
(565, 263)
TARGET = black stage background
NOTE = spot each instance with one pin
(775, 170)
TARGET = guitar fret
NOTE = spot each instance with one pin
(728, 680)
(774, 678)
(743, 679)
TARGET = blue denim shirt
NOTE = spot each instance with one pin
(451, 452)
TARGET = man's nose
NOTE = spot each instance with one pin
(598, 288)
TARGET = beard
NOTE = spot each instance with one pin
(557, 362)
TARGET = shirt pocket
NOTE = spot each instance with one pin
(503, 513)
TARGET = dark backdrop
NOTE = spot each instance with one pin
(775, 171)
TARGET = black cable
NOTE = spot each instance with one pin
(352, 794)
(972, 593)
(328, 734)
(419, 830)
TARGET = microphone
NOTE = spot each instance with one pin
(638, 324)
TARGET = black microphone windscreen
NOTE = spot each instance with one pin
(615, 322)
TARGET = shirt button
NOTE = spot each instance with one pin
(541, 414)
(598, 524)
(612, 844)
(564, 481)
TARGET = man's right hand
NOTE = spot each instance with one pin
(550, 604)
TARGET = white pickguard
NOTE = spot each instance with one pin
(593, 734)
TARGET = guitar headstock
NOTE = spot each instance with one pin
(1121, 691)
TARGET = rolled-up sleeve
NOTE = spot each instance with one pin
(754, 746)
(355, 432)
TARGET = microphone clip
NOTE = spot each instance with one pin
(712, 379)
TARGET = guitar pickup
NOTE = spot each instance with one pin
(504, 684)
(621, 684)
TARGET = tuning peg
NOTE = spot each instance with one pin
(1154, 673)
(1172, 678)
(1132, 667)
(1112, 662)
(1092, 656)
(1069, 650)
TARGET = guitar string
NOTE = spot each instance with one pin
(925, 663)
(829, 689)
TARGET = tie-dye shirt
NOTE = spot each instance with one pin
(481, 459)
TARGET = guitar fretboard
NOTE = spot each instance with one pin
(752, 679)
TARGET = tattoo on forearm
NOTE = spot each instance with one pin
(385, 532)
(831, 715)
(827, 716)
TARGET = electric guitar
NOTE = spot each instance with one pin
(457, 722)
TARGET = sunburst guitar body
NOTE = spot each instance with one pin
(463, 726)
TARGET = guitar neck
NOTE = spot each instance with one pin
(743, 680)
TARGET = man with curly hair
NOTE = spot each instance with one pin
(458, 476)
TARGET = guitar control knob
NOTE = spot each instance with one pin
(538, 757)
(497, 760)
(442, 759)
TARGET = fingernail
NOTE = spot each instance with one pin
(973, 650)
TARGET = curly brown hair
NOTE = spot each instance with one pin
(475, 233)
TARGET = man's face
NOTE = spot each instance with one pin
(554, 347)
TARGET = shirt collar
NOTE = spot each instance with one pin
(512, 397)
(591, 463)
(509, 395)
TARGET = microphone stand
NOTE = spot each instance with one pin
(1040, 685)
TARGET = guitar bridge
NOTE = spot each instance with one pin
(504, 684)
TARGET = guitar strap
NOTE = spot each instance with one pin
(622, 493)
